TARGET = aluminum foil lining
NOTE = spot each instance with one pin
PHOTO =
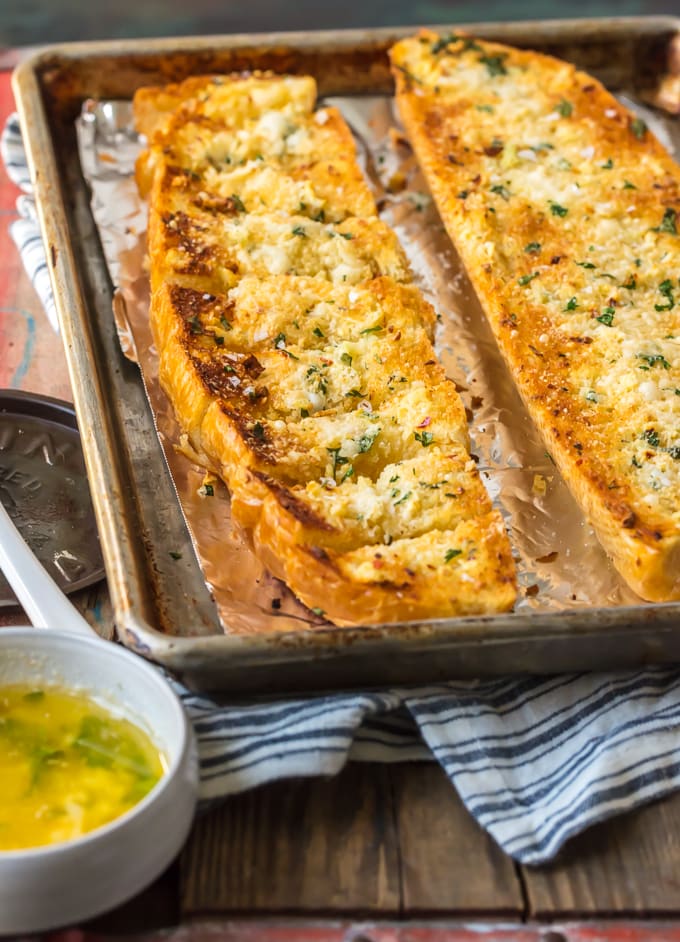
(560, 562)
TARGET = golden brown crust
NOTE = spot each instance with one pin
(564, 209)
(299, 362)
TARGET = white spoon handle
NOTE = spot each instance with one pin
(42, 599)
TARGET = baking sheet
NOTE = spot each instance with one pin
(162, 607)
(553, 544)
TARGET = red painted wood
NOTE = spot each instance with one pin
(10, 264)
(31, 354)
(260, 931)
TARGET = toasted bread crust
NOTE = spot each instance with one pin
(563, 208)
(299, 361)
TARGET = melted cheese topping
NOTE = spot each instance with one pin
(299, 358)
(566, 213)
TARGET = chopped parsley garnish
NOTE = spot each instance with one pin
(346, 235)
(336, 458)
(494, 64)
(463, 195)
(627, 185)
(195, 326)
(532, 247)
(525, 279)
(638, 127)
(365, 443)
(425, 438)
(371, 330)
(238, 203)
(652, 359)
(586, 265)
(666, 289)
(607, 165)
(355, 393)
(606, 317)
(402, 499)
(630, 284)
(175, 555)
(651, 436)
(409, 75)
(558, 210)
(299, 231)
(668, 223)
(591, 396)
(571, 304)
(208, 490)
(451, 554)
(304, 413)
(346, 359)
(502, 191)
(280, 344)
(488, 108)
(258, 431)
(219, 341)
(442, 43)
(318, 332)
(565, 108)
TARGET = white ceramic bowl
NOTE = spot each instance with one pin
(60, 884)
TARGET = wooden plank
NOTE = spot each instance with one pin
(154, 908)
(629, 865)
(297, 847)
(448, 863)
(384, 839)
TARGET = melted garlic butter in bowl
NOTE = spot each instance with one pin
(67, 765)
(98, 777)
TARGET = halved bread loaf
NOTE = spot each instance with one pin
(299, 361)
(565, 211)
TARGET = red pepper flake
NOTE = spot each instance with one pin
(426, 421)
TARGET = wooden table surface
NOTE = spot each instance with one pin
(381, 853)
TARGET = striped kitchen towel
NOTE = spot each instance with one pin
(535, 759)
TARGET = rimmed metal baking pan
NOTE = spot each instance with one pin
(162, 607)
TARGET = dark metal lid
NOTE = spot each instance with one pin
(43, 485)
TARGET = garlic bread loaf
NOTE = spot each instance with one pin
(565, 211)
(298, 357)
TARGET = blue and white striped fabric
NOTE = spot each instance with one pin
(25, 231)
(535, 760)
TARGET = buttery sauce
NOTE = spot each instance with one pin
(67, 766)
